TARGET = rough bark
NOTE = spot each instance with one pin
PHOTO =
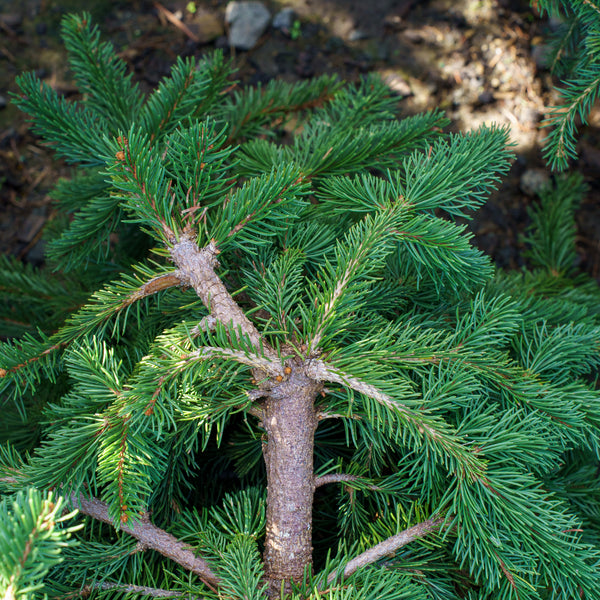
(289, 417)
(197, 268)
(290, 421)
(389, 546)
(152, 537)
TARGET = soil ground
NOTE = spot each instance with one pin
(478, 60)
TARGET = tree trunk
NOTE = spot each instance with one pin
(290, 421)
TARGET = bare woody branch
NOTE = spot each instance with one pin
(197, 268)
(334, 478)
(272, 367)
(340, 478)
(154, 538)
(153, 286)
(136, 589)
(389, 546)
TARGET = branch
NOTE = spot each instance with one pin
(262, 363)
(256, 411)
(206, 324)
(197, 268)
(321, 371)
(172, 18)
(154, 538)
(153, 286)
(339, 477)
(331, 305)
(255, 361)
(388, 546)
(136, 589)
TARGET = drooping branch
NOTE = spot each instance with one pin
(153, 538)
(446, 443)
(321, 371)
(388, 546)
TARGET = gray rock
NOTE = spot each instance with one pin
(3, 102)
(397, 83)
(11, 20)
(356, 35)
(284, 19)
(540, 54)
(247, 21)
(533, 180)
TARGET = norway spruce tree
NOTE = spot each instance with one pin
(260, 365)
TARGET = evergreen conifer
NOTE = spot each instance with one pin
(574, 57)
(258, 369)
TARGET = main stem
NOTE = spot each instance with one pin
(290, 421)
(289, 418)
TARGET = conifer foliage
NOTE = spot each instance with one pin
(264, 369)
(574, 56)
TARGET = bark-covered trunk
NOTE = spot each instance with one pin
(290, 421)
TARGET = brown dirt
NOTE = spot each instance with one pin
(478, 60)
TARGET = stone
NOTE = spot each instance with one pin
(396, 83)
(11, 20)
(207, 26)
(247, 22)
(356, 35)
(284, 19)
(533, 180)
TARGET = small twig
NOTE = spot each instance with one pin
(334, 478)
(153, 286)
(177, 22)
(388, 546)
(206, 324)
